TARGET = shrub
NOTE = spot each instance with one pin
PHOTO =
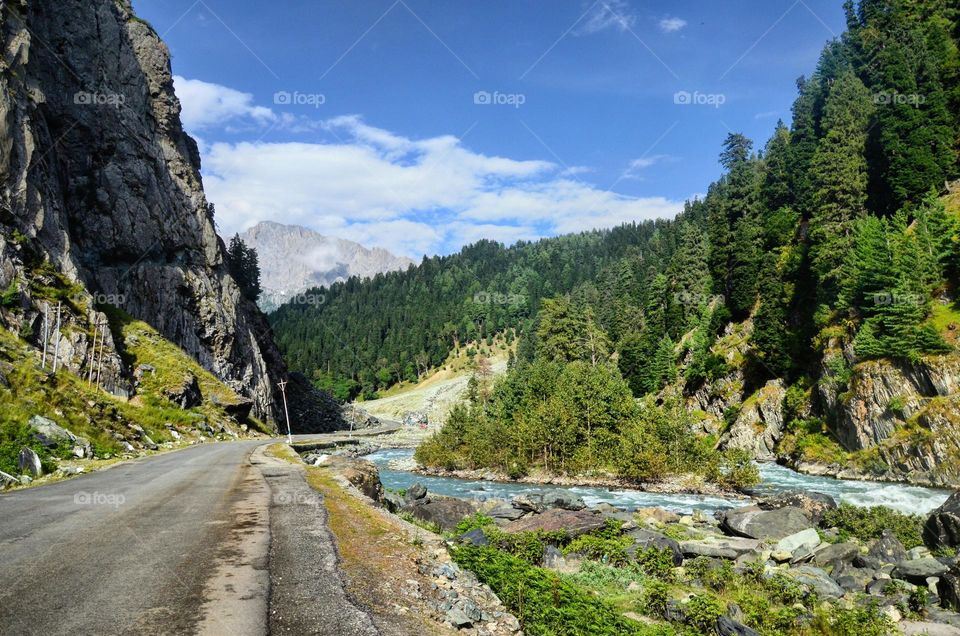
(853, 621)
(657, 563)
(702, 612)
(655, 598)
(612, 551)
(543, 601)
(869, 523)
(475, 522)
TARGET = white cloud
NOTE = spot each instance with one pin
(413, 197)
(206, 105)
(639, 165)
(672, 25)
(607, 14)
(367, 184)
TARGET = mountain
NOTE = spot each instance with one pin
(102, 204)
(294, 259)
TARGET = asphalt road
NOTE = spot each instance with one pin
(178, 543)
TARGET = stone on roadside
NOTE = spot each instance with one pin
(29, 462)
(445, 513)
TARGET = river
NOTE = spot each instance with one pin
(775, 478)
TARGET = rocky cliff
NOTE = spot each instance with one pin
(102, 200)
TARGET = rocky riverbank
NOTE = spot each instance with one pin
(800, 553)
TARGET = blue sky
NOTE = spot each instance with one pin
(423, 125)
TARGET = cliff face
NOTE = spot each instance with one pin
(100, 181)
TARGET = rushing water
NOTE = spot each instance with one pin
(775, 478)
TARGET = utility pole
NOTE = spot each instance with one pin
(283, 390)
(56, 349)
(46, 334)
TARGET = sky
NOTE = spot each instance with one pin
(421, 126)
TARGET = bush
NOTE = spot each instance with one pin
(657, 563)
(475, 522)
(869, 523)
(544, 603)
(854, 621)
(702, 612)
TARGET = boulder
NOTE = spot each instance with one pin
(948, 589)
(813, 504)
(843, 552)
(755, 523)
(392, 501)
(362, 473)
(887, 549)
(505, 513)
(574, 522)
(657, 514)
(919, 570)
(942, 529)
(804, 540)
(725, 548)
(475, 537)
(645, 539)
(186, 393)
(563, 499)
(29, 462)
(415, 492)
(927, 628)
(7, 480)
(817, 580)
(728, 627)
(51, 434)
(555, 560)
(445, 513)
(531, 503)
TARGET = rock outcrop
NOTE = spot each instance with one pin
(102, 196)
(759, 425)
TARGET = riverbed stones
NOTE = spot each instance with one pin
(725, 548)
(843, 552)
(817, 580)
(445, 513)
(942, 529)
(646, 539)
(505, 513)
(563, 499)
(805, 540)
(574, 522)
(755, 523)
(813, 504)
(887, 549)
(918, 571)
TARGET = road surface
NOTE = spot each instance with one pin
(203, 540)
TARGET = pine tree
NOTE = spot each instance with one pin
(771, 332)
(839, 176)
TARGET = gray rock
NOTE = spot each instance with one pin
(645, 539)
(727, 548)
(392, 501)
(818, 580)
(804, 540)
(927, 628)
(446, 513)
(755, 523)
(532, 503)
(475, 537)
(563, 499)
(813, 504)
(458, 618)
(573, 522)
(729, 627)
(887, 549)
(7, 480)
(49, 433)
(186, 394)
(948, 589)
(942, 528)
(763, 413)
(29, 462)
(845, 552)
(919, 570)
(505, 512)
(415, 492)
(555, 560)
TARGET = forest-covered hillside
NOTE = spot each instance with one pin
(832, 230)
